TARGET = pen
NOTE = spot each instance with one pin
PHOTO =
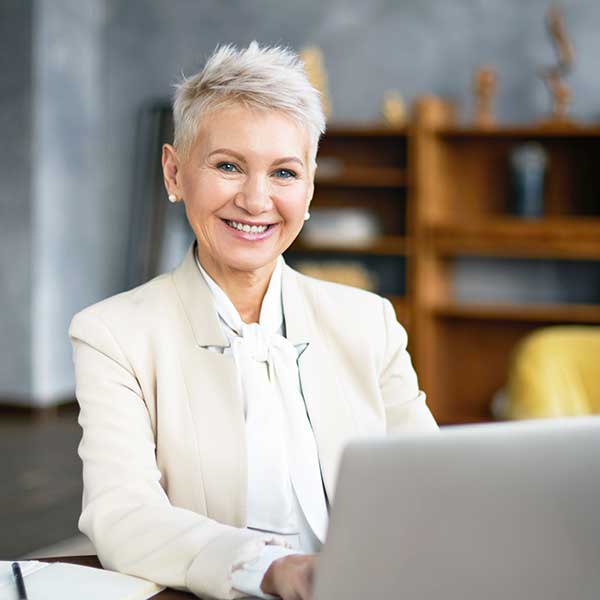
(16, 569)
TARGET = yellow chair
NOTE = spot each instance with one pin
(555, 372)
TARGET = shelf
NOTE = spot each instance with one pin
(390, 245)
(378, 130)
(364, 177)
(400, 303)
(583, 130)
(531, 313)
(402, 309)
(552, 237)
(455, 418)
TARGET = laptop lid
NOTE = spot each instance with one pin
(497, 511)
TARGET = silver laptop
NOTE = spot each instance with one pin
(479, 512)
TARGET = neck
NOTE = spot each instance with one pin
(245, 289)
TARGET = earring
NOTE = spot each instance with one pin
(172, 198)
(306, 216)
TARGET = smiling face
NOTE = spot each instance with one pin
(247, 182)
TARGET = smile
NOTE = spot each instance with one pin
(247, 228)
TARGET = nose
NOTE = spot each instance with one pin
(254, 196)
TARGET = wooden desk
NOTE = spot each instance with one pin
(92, 561)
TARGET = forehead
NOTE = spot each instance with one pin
(268, 133)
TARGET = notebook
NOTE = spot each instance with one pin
(48, 581)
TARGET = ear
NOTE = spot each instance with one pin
(170, 165)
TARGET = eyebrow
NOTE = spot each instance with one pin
(279, 161)
(288, 159)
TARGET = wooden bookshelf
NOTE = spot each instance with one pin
(364, 177)
(552, 237)
(565, 132)
(441, 193)
(385, 245)
(342, 129)
(528, 313)
(403, 311)
(462, 209)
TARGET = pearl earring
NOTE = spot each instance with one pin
(306, 216)
(172, 198)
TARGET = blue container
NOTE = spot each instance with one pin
(528, 171)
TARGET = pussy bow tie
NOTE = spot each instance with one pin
(257, 344)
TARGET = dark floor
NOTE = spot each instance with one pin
(40, 479)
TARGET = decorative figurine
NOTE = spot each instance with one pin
(485, 84)
(553, 76)
(314, 63)
(393, 109)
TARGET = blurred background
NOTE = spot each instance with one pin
(460, 177)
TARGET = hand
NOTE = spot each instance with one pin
(290, 577)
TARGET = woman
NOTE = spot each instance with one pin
(216, 399)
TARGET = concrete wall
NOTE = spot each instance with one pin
(52, 236)
(97, 61)
(68, 215)
(15, 198)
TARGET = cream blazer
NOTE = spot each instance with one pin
(163, 445)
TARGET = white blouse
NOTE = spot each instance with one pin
(285, 488)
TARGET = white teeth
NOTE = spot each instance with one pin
(247, 228)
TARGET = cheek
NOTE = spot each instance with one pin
(208, 194)
(292, 203)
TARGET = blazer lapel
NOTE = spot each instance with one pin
(330, 415)
(197, 302)
(215, 400)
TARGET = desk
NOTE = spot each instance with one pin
(92, 561)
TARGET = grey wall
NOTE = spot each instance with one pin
(98, 61)
(51, 214)
(68, 213)
(15, 198)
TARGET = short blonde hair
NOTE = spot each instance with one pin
(268, 78)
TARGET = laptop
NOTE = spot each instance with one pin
(478, 512)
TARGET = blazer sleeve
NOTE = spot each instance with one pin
(404, 403)
(126, 512)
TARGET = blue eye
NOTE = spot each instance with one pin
(285, 173)
(227, 167)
